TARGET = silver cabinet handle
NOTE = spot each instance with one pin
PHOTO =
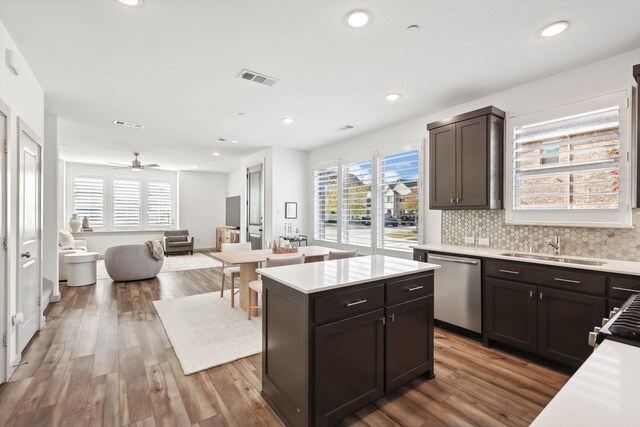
(457, 200)
(452, 200)
(530, 294)
(559, 279)
(415, 288)
(509, 271)
(351, 304)
(458, 260)
(392, 317)
(635, 291)
(540, 295)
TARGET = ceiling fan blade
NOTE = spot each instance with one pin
(151, 165)
(119, 164)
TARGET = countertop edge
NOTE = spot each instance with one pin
(631, 268)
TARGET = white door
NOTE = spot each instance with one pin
(29, 263)
(4, 121)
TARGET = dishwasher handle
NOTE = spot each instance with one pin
(457, 260)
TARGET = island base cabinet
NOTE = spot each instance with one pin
(409, 341)
(564, 322)
(510, 314)
(349, 366)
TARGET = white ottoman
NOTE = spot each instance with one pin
(81, 268)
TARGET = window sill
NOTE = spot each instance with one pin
(90, 233)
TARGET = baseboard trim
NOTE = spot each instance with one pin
(56, 298)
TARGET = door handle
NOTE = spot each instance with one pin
(26, 255)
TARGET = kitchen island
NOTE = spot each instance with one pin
(340, 334)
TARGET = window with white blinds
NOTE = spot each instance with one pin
(356, 203)
(159, 203)
(88, 199)
(126, 202)
(325, 203)
(571, 166)
(398, 188)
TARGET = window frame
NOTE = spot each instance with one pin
(146, 203)
(104, 199)
(141, 220)
(320, 167)
(598, 218)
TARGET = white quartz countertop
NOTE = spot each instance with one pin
(611, 266)
(605, 391)
(322, 276)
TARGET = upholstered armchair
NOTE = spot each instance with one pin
(175, 241)
(67, 244)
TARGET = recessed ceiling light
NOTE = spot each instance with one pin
(234, 141)
(287, 120)
(555, 29)
(216, 154)
(130, 2)
(358, 18)
(194, 166)
(393, 97)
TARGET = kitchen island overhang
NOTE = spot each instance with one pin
(340, 334)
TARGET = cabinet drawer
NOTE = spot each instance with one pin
(408, 289)
(344, 304)
(623, 287)
(565, 278)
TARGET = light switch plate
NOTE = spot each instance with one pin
(483, 241)
(469, 240)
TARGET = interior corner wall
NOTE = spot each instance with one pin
(25, 97)
(50, 209)
(201, 205)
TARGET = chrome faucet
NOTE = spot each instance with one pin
(554, 242)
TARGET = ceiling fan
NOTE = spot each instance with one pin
(136, 165)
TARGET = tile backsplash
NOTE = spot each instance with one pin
(611, 243)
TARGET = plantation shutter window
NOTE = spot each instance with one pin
(571, 167)
(88, 199)
(356, 203)
(159, 203)
(325, 203)
(399, 192)
(126, 202)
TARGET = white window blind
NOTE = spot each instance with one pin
(126, 202)
(159, 201)
(570, 167)
(398, 188)
(325, 203)
(88, 199)
(356, 203)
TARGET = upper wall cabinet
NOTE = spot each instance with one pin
(465, 160)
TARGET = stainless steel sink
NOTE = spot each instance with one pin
(562, 260)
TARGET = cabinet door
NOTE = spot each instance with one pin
(472, 163)
(510, 313)
(442, 167)
(409, 349)
(564, 322)
(351, 349)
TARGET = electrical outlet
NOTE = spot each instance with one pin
(483, 241)
(469, 240)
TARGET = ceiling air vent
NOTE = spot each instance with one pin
(346, 127)
(128, 124)
(257, 77)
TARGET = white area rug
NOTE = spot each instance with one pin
(173, 263)
(205, 331)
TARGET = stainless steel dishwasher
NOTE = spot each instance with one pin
(458, 294)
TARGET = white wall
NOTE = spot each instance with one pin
(100, 241)
(202, 205)
(50, 206)
(24, 95)
(598, 78)
(289, 185)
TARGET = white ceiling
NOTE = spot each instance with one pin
(172, 65)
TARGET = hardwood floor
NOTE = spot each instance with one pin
(103, 359)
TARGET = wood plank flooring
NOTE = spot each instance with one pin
(103, 359)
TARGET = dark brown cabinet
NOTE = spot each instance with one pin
(328, 354)
(465, 161)
(551, 322)
(511, 313)
(361, 340)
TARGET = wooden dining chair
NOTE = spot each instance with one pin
(256, 285)
(232, 270)
(343, 254)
